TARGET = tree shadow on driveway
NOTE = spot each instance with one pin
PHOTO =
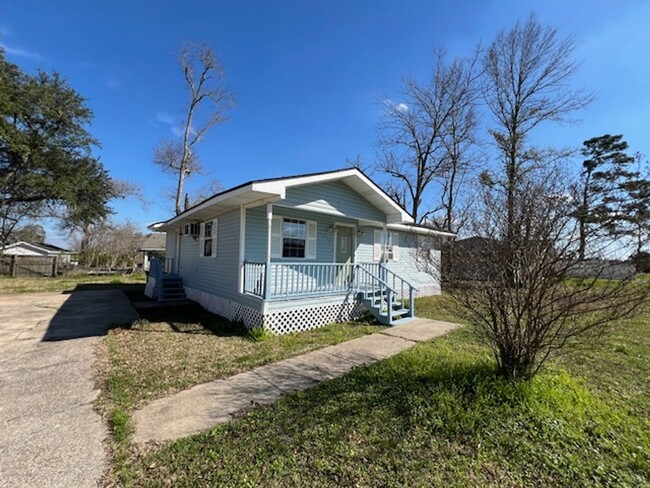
(89, 312)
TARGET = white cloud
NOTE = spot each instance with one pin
(113, 84)
(165, 118)
(16, 51)
(400, 107)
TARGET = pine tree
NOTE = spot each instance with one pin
(607, 172)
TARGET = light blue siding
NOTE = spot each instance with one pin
(334, 198)
(170, 245)
(256, 234)
(410, 263)
(218, 275)
(328, 204)
(413, 267)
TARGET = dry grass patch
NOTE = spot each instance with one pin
(174, 348)
(69, 283)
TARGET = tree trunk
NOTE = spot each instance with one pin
(179, 191)
(582, 217)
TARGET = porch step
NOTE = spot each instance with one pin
(376, 300)
(172, 288)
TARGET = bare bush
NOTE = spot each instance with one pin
(517, 292)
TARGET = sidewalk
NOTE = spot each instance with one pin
(205, 406)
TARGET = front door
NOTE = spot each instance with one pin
(344, 254)
(344, 244)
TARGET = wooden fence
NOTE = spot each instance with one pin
(33, 266)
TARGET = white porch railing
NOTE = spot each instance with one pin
(294, 280)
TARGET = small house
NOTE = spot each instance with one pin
(294, 253)
(152, 247)
(42, 249)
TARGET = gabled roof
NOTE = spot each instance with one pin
(274, 189)
(154, 242)
(48, 248)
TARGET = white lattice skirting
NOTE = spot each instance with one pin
(233, 311)
(295, 319)
(150, 289)
(308, 317)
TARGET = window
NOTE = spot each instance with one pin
(392, 246)
(191, 230)
(208, 239)
(294, 238)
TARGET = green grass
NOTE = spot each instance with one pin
(174, 348)
(67, 283)
(436, 415)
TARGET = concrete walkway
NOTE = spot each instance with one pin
(205, 406)
(50, 434)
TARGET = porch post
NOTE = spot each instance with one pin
(267, 271)
(384, 254)
(242, 246)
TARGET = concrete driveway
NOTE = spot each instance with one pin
(49, 433)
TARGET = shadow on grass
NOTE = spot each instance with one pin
(186, 319)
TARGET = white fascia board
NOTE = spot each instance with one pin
(224, 197)
(420, 230)
(404, 215)
(155, 226)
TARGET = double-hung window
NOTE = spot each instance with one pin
(208, 239)
(293, 238)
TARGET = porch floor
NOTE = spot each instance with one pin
(205, 406)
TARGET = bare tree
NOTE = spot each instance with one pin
(209, 101)
(358, 163)
(204, 192)
(461, 148)
(528, 70)
(516, 289)
(413, 131)
(109, 244)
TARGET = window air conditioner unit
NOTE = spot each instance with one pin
(191, 230)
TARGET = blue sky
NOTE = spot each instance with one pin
(306, 74)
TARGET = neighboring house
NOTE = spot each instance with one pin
(22, 248)
(296, 253)
(602, 268)
(466, 259)
(152, 247)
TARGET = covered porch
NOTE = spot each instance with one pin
(387, 295)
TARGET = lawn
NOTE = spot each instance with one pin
(67, 283)
(433, 415)
(174, 348)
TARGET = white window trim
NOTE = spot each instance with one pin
(383, 246)
(280, 236)
(214, 237)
